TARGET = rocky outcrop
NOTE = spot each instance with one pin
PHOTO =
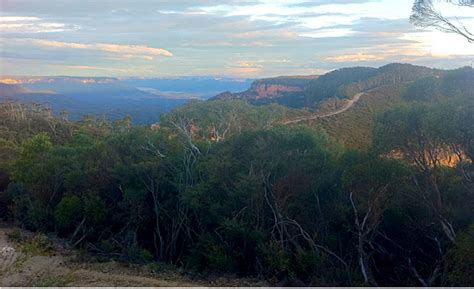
(271, 88)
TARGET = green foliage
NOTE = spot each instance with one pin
(459, 83)
(210, 254)
(68, 212)
(277, 261)
(425, 89)
(332, 83)
(38, 245)
(461, 259)
(52, 281)
(454, 84)
(95, 209)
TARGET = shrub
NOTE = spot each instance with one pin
(460, 260)
(209, 254)
(68, 212)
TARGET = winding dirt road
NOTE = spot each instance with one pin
(348, 105)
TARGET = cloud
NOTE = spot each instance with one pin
(17, 18)
(316, 19)
(383, 52)
(248, 64)
(93, 68)
(27, 24)
(231, 71)
(358, 57)
(443, 44)
(329, 33)
(231, 43)
(127, 51)
(225, 37)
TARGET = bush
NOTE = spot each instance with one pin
(276, 261)
(460, 260)
(68, 212)
(211, 255)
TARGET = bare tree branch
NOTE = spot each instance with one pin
(424, 14)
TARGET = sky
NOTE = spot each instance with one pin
(237, 38)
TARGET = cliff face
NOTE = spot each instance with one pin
(274, 90)
(271, 88)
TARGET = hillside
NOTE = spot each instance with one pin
(354, 126)
(272, 90)
(392, 86)
(345, 102)
(311, 92)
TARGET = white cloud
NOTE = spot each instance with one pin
(93, 68)
(328, 33)
(219, 37)
(357, 57)
(24, 24)
(249, 64)
(329, 21)
(126, 51)
(324, 19)
(440, 44)
(17, 18)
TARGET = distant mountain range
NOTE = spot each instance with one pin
(142, 98)
(146, 98)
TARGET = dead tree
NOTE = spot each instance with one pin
(366, 225)
(425, 14)
(435, 274)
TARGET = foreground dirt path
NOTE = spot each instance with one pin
(59, 269)
(8, 254)
(62, 267)
(348, 105)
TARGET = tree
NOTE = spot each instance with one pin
(372, 183)
(425, 14)
(405, 131)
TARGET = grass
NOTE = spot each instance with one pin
(52, 281)
(38, 245)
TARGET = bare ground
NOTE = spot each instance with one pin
(63, 267)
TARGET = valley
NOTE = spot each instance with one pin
(113, 98)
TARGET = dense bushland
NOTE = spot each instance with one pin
(219, 187)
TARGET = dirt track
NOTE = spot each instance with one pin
(348, 105)
(18, 269)
(63, 267)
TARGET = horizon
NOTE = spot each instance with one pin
(236, 39)
(229, 77)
